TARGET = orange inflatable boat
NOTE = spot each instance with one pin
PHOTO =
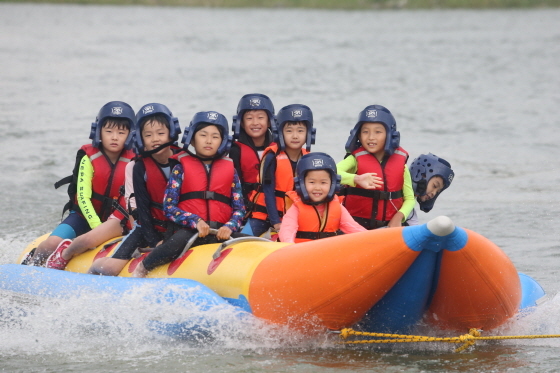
(381, 280)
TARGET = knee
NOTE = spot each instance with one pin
(48, 245)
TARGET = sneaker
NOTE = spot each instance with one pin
(55, 260)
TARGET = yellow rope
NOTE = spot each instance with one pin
(466, 339)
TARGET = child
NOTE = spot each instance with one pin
(277, 169)
(316, 211)
(203, 191)
(430, 175)
(156, 133)
(252, 128)
(97, 178)
(380, 190)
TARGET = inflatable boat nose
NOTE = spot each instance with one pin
(440, 233)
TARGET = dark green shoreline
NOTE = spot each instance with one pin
(325, 4)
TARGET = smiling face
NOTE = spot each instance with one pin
(372, 137)
(295, 134)
(206, 141)
(317, 184)
(154, 134)
(255, 123)
(113, 137)
(435, 185)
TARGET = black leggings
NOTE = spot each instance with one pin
(174, 246)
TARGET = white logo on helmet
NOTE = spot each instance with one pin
(317, 162)
(255, 102)
(450, 178)
(371, 113)
(117, 110)
(147, 109)
(297, 113)
(213, 116)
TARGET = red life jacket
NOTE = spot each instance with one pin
(156, 182)
(108, 178)
(284, 183)
(250, 161)
(375, 208)
(312, 226)
(207, 194)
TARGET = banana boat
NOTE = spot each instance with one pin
(381, 280)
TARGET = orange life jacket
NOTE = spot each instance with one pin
(312, 226)
(375, 208)
(284, 183)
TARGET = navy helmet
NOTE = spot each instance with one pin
(253, 101)
(113, 110)
(294, 113)
(150, 110)
(213, 118)
(422, 169)
(312, 162)
(375, 114)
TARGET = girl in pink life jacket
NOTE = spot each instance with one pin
(316, 211)
(379, 192)
(277, 168)
(203, 192)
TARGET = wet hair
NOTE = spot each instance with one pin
(158, 118)
(122, 124)
(290, 123)
(306, 172)
(204, 125)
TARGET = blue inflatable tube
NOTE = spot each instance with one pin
(49, 283)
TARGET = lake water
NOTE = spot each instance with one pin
(479, 88)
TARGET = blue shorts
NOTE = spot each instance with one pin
(255, 227)
(73, 226)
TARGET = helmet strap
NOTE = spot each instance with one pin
(147, 153)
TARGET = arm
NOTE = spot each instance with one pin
(85, 190)
(234, 223)
(347, 223)
(129, 185)
(347, 169)
(235, 155)
(171, 201)
(408, 201)
(143, 205)
(408, 195)
(269, 189)
(289, 225)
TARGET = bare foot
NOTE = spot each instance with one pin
(140, 271)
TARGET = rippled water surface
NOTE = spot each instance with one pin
(479, 88)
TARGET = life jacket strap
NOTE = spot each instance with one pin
(63, 181)
(370, 224)
(249, 187)
(259, 208)
(375, 194)
(314, 235)
(206, 194)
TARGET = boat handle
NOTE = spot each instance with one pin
(193, 238)
(234, 241)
